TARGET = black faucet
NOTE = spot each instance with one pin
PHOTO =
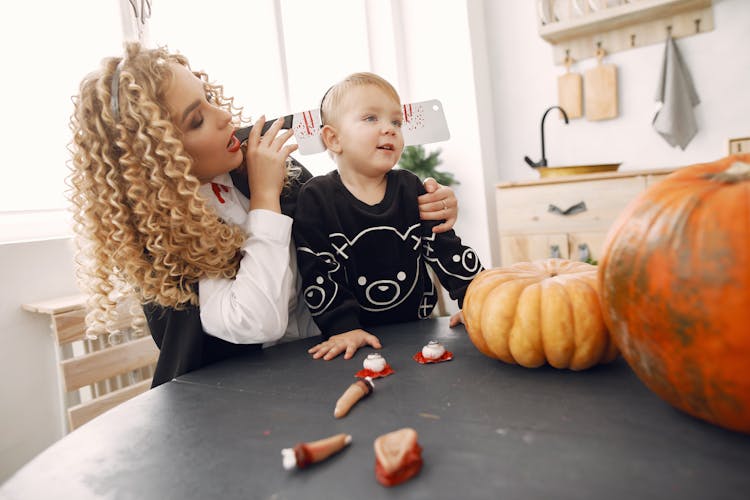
(543, 161)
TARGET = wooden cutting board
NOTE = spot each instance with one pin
(600, 90)
(569, 92)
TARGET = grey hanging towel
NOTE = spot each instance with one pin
(675, 120)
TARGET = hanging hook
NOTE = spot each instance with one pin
(599, 51)
(632, 39)
(698, 25)
(669, 30)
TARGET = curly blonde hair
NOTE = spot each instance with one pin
(142, 228)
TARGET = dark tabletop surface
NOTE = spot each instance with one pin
(487, 429)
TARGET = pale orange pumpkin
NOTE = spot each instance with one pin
(675, 288)
(532, 313)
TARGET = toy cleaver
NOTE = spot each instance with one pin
(424, 123)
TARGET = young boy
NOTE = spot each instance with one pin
(361, 246)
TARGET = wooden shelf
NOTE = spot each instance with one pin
(630, 25)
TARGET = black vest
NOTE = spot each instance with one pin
(183, 344)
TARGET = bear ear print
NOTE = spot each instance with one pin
(330, 261)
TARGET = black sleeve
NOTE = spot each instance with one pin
(454, 263)
(183, 345)
(332, 305)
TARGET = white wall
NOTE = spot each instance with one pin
(437, 52)
(31, 411)
(524, 83)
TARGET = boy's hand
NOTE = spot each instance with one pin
(437, 204)
(456, 319)
(349, 341)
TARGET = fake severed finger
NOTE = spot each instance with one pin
(304, 454)
(355, 392)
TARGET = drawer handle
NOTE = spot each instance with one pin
(584, 254)
(573, 209)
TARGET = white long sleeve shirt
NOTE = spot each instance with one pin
(262, 303)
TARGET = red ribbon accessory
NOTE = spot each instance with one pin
(217, 189)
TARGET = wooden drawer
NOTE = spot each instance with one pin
(527, 247)
(527, 209)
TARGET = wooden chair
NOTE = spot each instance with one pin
(96, 375)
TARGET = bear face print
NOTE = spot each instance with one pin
(383, 290)
(319, 295)
(383, 287)
(464, 265)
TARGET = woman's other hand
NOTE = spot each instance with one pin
(347, 342)
(437, 204)
(265, 161)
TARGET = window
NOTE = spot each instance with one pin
(274, 56)
(48, 47)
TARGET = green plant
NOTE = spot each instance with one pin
(416, 160)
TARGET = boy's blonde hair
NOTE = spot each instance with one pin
(141, 226)
(329, 105)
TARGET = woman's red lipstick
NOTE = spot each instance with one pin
(234, 145)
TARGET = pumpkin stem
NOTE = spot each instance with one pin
(737, 172)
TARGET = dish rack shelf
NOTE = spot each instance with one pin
(577, 28)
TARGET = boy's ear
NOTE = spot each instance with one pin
(330, 139)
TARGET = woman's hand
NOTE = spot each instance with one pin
(265, 161)
(437, 204)
(349, 341)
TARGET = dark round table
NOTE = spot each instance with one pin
(488, 430)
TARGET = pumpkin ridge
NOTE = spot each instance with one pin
(474, 308)
(509, 291)
(524, 337)
(573, 324)
(553, 325)
(590, 334)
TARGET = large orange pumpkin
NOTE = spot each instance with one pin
(675, 287)
(531, 313)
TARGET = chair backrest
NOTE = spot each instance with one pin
(96, 375)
